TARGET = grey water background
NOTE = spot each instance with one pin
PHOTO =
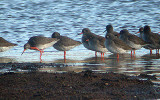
(22, 19)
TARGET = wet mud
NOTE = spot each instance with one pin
(86, 85)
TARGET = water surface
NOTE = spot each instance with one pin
(20, 20)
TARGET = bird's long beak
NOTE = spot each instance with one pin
(23, 51)
(137, 32)
(79, 33)
(105, 31)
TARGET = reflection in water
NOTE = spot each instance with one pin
(94, 60)
(151, 64)
(65, 61)
(60, 69)
(126, 65)
(109, 64)
(148, 57)
(7, 60)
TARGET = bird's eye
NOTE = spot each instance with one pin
(86, 31)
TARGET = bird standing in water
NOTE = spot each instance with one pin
(116, 45)
(152, 38)
(132, 40)
(39, 43)
(93, 42)
(65, 43)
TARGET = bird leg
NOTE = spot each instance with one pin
(64, 56)
(41, 51)
(118, 57)
(102, 56)
(95, 54)
(157, 52)
(134, 52)
(35, 48)
(41, 55)
(150, 51)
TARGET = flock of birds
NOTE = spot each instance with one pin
(114, 42)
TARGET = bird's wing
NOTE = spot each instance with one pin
(120, 43)
(66, 41)
(136, 39)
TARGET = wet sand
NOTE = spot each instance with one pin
(86, 85)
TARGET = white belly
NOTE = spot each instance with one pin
(98, 48)
(2, 49)
(114, 49)
(44, 46)
(135, 46)
(63, 48)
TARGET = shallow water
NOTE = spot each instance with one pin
(20, 20)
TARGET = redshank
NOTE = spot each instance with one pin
(140, 32)
(109, 29)
(149, 46)
(65, 43)
(5, 45)
(85, 42)
(152, 38)
(95, 42)
(39, 43)
(116, 45)
(132, 40)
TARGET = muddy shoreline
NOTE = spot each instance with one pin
(86, 85)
